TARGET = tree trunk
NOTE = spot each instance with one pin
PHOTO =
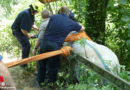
(95, 20)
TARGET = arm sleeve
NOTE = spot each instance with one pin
(41, 34)
(26, 23)
(77, 27)
(42, 31)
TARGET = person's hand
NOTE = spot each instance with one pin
(35, 27)
(32, 36)
(29, 37)
(34, 52)
(81, 30)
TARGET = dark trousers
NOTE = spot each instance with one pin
(50, 65)
(24, 42)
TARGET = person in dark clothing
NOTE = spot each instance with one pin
(71, 15)
(59, 27)
(22, 25)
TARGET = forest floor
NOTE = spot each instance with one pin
(24, 80)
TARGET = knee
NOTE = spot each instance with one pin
(26, 49)
(27, 45)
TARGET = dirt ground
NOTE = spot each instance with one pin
(23, 79)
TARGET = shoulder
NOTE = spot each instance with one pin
(25, 12)
(44, 24)
(45, 21)
(55, 16)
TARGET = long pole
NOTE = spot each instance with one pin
(65, 51)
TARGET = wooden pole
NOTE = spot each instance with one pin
(65, 51)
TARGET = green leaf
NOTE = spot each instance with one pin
(128, 43)
(128, 34)
(125, 18)
(128, 26)
(122, 2)
(128, 72)
(61, 74)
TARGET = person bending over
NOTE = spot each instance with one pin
(59, 26)
(22, 25)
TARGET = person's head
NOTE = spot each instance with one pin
(65, 10)
(45, 14)
(35, 8)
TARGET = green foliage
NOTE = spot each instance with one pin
(117, 30)
(95, 19)
(6, 4)
(124, 74)
(82, 42)
(7, 42)
(87, 80)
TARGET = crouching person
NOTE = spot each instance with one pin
(22, 26)
(58, 28)
(6, 81)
